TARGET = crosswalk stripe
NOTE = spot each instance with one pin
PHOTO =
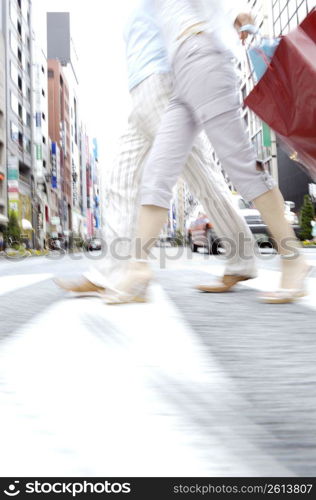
(108, 388)
(14, 282)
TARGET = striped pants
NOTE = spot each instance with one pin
(203, 177)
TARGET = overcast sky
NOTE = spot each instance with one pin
(96, 27)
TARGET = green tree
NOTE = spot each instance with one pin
(13, 230)
(306, 216)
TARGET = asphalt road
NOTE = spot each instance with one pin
(189, 384)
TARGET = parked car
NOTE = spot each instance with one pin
(291, 217)
(94, 244)
(201, 233)
(55, 244)
(253, 219)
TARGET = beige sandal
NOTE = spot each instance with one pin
(288, 295)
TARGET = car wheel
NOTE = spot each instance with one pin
(194, 248)
(272, 244)
(213, 242)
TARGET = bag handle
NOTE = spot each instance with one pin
(257, 37)
(250, 28)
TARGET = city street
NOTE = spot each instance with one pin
(188, 384)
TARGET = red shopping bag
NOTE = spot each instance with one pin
(285, 97)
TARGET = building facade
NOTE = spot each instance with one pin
(59, 133)
(3, 169)
(42, 168)
(262, 137)
(17, 30)
(83, 153)
(293, 180)
(48, 165)
(275, 18)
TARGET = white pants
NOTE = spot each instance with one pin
(205, 97)
(203, 176)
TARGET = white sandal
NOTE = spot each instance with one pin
(136, 292)
(288, 295)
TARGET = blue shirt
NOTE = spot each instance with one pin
(145, 49)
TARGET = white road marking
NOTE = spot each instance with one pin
(90, 389)
(14, 282)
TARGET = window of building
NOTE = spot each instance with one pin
(38, 121)
(283, 4)
(50, 73)
(1, 153)
(276, 10)
(28, 119)
(43, 70)
(284, 20)
(14, 132)
(44, 139)
(28, 93)
(13, 43)
(277, 27)
(293, 22)
(15, 76)
(21, 112)
(291, 8)
(257, 141)
(20, 56)
(13, 13)
(19, 28)
(15, 104)
(28, 43)
(19, 3)
(76, 121)
(43, 92)
(43, 116)
(243, 94)
(27, 145)
(302, 12)
(28, 68)
(24, 61)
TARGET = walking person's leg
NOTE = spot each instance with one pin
(156, 193)
(122, 184)
(209, 186)
(121, 197)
